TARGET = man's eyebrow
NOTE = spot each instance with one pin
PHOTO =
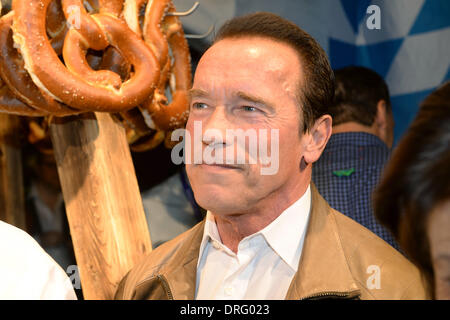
(197, 93)
(254, 99)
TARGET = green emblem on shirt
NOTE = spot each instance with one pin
(344, 173)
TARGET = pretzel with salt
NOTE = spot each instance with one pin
(19, 81)
(175, 114)
(160, 32)
(10, 104)
(72, 83)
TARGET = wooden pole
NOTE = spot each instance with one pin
(12, 201)
(104, 207)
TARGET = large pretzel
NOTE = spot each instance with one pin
(19, 95)
(145, 127)
(18, 80)
(139, 135)
(73, 84)
(174, 115)
(133, 120)
(155, 13)
(10, 104)
(156, 31)
(161, 31)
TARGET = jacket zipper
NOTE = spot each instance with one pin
(347, 295)
(166, 287)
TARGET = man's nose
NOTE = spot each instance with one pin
(215, 126)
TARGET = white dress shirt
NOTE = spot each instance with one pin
(265, 262)
(27, 271)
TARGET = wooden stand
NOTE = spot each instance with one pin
(104, 207)
(12, 204)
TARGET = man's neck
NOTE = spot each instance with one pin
(353, 127)
(234, 227)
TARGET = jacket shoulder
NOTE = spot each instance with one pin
(380, 270)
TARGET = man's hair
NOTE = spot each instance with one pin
(357, 93)
(318, 90)
(416, 178)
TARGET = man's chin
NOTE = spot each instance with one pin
(216, 192)
(217, 203)
(218, 181)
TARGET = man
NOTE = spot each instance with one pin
(266, 236)
(354, 158)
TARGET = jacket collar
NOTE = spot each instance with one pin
(180, 275)
(323, 270)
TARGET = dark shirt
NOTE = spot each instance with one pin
(347, 173)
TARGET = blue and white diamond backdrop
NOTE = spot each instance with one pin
(411, 50)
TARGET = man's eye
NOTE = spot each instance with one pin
(249, 109)
(199, 106)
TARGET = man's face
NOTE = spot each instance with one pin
(250, 84)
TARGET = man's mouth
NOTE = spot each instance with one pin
(219, 166)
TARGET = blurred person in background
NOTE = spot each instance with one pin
(46, 214)
(170, 208)
(413, 198)
(352, 162)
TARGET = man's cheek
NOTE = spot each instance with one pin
(269, 151)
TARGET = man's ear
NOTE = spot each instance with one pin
(381, 116)
(384, 123)
(317, 138)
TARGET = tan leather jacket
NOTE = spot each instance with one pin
(340, 259)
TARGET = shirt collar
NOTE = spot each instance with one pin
(210, 232)
(285, 235)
